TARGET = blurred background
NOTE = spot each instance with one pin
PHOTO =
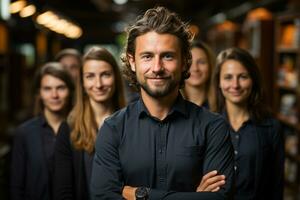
(33, 31)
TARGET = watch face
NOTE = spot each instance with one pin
(141, 193)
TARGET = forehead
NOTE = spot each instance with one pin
(198, 52)
(233, 66)
(51, 81)
(96, 66)
(153, 41)
(69, 59)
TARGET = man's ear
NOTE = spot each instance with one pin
(131, 62)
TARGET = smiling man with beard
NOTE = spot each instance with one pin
(160, 146)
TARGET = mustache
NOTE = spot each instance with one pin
(158, 76)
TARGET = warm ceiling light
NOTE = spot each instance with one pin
(120, 2)
(227, 26)
(17, 6)
(28, 11)
(59, 24)
(259, 14)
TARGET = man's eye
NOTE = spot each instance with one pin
(168, 56)
(146, 57)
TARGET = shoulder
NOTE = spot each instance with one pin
(204, 115)
(124, 115)
(270, 128)
(28, 127)
(210, 123)
(270, 123)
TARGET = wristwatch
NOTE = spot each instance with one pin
(142, 193)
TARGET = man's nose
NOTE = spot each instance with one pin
(157, 66)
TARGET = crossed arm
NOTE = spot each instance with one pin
(108, 181)
(211, 182)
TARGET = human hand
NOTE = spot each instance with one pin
(129, 192)
(211, 182)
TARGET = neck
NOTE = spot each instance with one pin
(237, 115)
(196, 95)
(159, 107)
(101, 111)
(54, 119)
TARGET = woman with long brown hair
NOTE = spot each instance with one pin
(98, 96)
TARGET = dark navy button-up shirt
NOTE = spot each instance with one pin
(245, 147)
(169, 156)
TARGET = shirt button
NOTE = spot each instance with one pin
(160, 151)
(237, 137)
(235, 168)
(235, 152)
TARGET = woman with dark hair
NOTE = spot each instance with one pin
(33, 149)
(197, 88)
(99, 95)
(255, 135)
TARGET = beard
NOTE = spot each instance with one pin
(160, 91)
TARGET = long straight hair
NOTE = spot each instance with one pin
(82, 119)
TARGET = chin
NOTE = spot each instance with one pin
(56, 110)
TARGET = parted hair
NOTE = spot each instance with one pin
(82, 120)
(256, 102)
(68, 52)
(161, 21)
(56, 70)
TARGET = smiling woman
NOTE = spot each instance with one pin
(256, 136)
(99, 95)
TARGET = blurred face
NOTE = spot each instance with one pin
(54, 93)
(98, 81)
(235, 82)
(157, 63)
(72, 65)
(199, 69)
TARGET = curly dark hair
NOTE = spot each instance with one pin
(162, 21)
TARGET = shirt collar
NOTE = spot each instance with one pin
(179, 107)
(43, 120)
(250, 120)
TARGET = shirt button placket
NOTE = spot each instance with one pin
(162, 155)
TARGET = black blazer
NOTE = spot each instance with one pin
(29, 168)
(269, 179)
(69, 172)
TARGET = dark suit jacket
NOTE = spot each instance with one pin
(269, 179)
(29, 168)
(69, 172)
